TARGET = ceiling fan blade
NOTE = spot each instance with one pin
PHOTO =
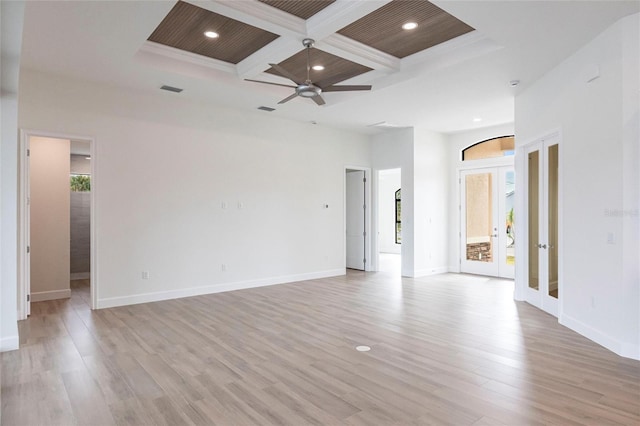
(268, 82)
(318, 100)
(288, 98)
(285, 73)
(346, 88)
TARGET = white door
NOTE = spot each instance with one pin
(542, 230)
(27, 232)
(487, 234)
(355, 219)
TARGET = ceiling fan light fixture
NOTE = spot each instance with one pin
(308, 90)
(409, 26)
(317, 67)
(211, 34)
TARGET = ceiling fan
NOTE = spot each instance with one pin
(306, 88)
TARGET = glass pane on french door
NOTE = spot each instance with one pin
(479, 218)
(552, 193)
(533, 190)
(509, 198)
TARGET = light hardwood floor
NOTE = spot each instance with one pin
(447, 349)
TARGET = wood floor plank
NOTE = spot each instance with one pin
(448, 349)
(86, 399)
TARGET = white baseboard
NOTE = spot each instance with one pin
(430, 271)
(80, 276)
(624, 349)
(10, 343)
(41, 296)
(111, 302)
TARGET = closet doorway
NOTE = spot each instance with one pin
(56, 220)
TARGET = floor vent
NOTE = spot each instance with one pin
(171, 89)
(268, 109)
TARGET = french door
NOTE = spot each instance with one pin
(541, 239)
(487, 215)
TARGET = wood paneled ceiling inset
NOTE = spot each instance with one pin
(382, 28)
(304, 9)
(336, 69)
(184, 27)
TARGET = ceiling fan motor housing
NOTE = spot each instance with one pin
(308, 90)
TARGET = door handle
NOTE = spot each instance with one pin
(544, 246)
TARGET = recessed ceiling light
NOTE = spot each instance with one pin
(87, 158)
(211, 34)
(409, 26)
(317, 67)
(363, 348)
(477, 120)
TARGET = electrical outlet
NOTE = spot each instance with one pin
(223, 267)
(145, 275)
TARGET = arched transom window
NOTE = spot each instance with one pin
(491, 148)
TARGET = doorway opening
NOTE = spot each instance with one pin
(80, 223)
(57, 220)
(389, 224)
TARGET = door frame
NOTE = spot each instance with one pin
(471, 165)
(375, 241)
(499, 267)
(370, 262)
(522, 272)
(24, 264)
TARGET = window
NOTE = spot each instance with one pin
(502, 146)
(80, 183)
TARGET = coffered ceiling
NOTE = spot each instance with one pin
(185, 25)
(356, 37)
(382, 29)
(454, 67)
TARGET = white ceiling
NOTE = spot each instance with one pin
(442, 89)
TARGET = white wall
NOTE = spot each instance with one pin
(422, 157)
(600, 294)
(182, 188)
(389, 181)
(394, 150)
(11, 19)
(50, 218)
(431, 217)
(456, 142)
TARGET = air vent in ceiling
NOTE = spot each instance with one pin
(265, 108)
(171, 89)
(386, 125)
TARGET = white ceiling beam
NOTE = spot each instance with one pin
(259, 15)
(159, 55)
(355, 51)
(274, 52)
